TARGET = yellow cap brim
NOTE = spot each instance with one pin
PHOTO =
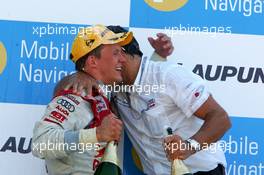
(119, 38)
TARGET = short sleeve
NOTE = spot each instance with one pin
(187, 90)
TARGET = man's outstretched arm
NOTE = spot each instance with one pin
(79, 82)
(216, 123)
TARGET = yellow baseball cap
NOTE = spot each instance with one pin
(90, 38)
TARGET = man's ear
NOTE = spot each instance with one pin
(91, 62)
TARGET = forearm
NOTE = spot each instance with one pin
(62, 126)
(79, 82)
(55, 143)
(156, 57)
(216, 123)
(48, 142)
(61, 84)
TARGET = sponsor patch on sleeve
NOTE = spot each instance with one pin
(57, 116)
(66, 104)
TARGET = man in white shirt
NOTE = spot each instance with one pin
(162, 95)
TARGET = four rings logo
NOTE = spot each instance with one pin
(3, 57)
(166, 5)
(66, 105)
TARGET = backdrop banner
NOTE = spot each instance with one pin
(220, 40)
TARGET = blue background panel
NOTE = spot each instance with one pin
(35, 62)
(194, 14)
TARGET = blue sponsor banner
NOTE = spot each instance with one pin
(243, 145)
(222, 16)
(37, 56)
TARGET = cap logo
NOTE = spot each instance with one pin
(89, 42)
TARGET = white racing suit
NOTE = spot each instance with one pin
(59, 138)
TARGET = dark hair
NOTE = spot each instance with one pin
(133, 47)
(80, 63)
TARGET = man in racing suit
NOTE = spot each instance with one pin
(72, 134)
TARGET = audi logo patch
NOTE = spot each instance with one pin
(67, 105)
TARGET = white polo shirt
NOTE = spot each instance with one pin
(146, 115)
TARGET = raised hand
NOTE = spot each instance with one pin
(177, 148)
(162, 45)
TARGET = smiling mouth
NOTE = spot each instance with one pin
(118, 69)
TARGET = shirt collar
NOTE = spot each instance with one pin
(143, 65)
